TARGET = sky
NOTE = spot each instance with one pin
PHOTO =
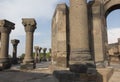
(42, 11)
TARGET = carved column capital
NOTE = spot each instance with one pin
(15, 42)
(6, 26)
(29, 24)
(36, 48)
(44, 50)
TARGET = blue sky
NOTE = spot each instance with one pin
(42, 11)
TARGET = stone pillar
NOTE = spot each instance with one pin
(79, 40)
(39, 57)
(99, 33)
(36, 53)
(5, 29)
(15, 43)
(30, 26)
(119, 45)
(50, 54)
(44, 54)
(60, 36)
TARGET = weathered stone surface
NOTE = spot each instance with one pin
(15, 43)
(79, 34)
(30, 26)
(36, 58)
(5, 29)
(59, 36)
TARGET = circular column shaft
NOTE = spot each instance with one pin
(79, 38)
(30, 26)
(5, 29)
(44, 54)
(39, 57)
(15, 43)
(36, 54)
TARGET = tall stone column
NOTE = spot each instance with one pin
(36, 53)
(79, 40)
(5, 29)
(119, 45)
(30, 26)
(44, 54)
(15, 43)
(39, 57)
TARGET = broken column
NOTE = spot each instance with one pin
(36, 53)
(80, 55)
(15, 43)
(5, 29)
(30, 26)
(44, 54)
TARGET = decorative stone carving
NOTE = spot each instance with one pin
(30, 26)
(5, 29)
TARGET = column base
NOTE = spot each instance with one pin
(14, 61)
(5, 65)
(92, 75)
(28, 66)
(80, 67)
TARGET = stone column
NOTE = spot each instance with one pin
(99, 33)
(79, 40)
(50, 54)
(30, 26)
(119, 45)
(44, 54)
(5, 29)
(36, 53)
(15, 43)
(39, 57)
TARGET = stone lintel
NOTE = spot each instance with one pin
(29, 24)
(15, 41)
(6, 26)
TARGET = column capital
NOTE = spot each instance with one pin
(15, 42)
(6, 26)
(40, 49)
(29, 24)
(36, 48)
(44, 50)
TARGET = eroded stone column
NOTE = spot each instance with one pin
(15, 43)
(5, 29)
(79, 40)
(39, 57)
(44, 54)
(36, 53)
(30, 26)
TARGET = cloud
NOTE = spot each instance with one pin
(113, 35)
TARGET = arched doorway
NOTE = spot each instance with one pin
(113, 26)
(113, 48)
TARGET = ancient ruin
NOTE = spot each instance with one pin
(30, 26)
(79, 40)
(36, 58)
(15, 43)
(5, 29)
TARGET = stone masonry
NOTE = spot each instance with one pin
(5, 29)
(30, 26)
(59, 36)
